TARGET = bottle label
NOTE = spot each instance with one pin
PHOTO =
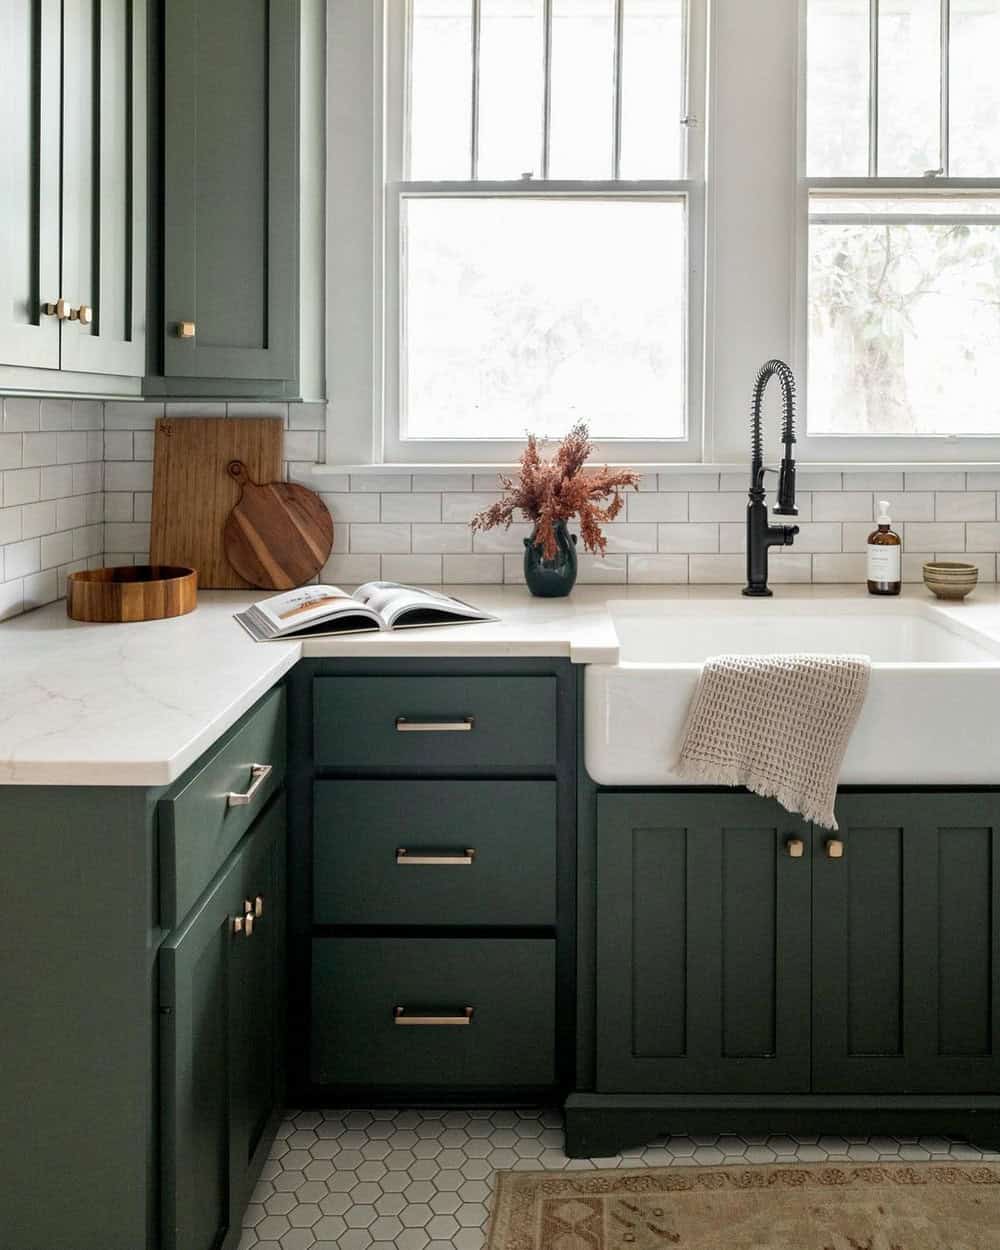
(883, 563)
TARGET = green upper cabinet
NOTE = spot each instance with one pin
(702, 945)
(906, 945)
(73, 199)
(230, 202)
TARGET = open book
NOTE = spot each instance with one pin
(316, 611)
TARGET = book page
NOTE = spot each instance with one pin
(296, 608)
(391, 600)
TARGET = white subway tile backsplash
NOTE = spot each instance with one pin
(88, 414)
(815, 536)
(965, 506)
(787, 568)
(21, 414)
(688, 536)
(935, 479)
(689, 482)
(812, 479)
(10, 525)
(980, 536)
(128, 475)
(843, 568)
(57, 414)
(379, 483)
(910, 506)
(725, 506)
(986, 563)
(87, 478)
(73, 447)
(301, 445)
(345, 507)
(657, 569)
(936, 537)
(11, 450)
(732, 537)
(500, 540)
(716, 569)
(438, 539)
(611, 570)
(348, 570)
(40, 589)
(307, 416)
(842, 506)
(412, 569)
(660, 506)
(629, 538)
(469, 570)
(246, 408)
(117, 444)
(488, 482)
(878, 483)
(463, 505)
(130, 536)
(411, 507)
(56, 549)
(21, 486)
(142, 506)
(11, 598)
(122, 415)
(371, 539)
(983, 481)
(143, 443)
(88, 541)
(21, 558)
(117, 506)
(438, 483)
(40, 449)
(38, 519)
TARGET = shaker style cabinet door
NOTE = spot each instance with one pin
(702, 945)
(906, 945)
(29, 186)
(104, 186)
(230, 189)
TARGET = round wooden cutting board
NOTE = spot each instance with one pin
(279, 535)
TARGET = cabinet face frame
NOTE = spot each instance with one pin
(691, 844)
(29, 214)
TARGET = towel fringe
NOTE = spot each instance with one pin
(731, 775)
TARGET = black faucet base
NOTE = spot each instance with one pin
(758, 592)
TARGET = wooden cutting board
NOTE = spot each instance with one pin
(193, 494)
(279, 535)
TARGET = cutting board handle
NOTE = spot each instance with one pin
(238, 470)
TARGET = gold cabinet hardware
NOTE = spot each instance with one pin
(258, 906)
(243, 925)
(834, 848)
(60, 309)
(185, 329)
(406, 726)
(441, 859)
(402, 1015)
(259, 773)
(795, 847)
(84, 314)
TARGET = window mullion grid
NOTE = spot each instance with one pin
(546, 86)
(945, 88)
(477, 31)
(616, 154)
(873, 86)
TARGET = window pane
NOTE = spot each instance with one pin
(975, 88)
(511, 78)
(652, 88)
(581, 136)
(837, 80)
(909, 118)
(528, 314)
(441, 89)
(904, 322)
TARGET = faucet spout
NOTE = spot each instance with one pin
(761, 536)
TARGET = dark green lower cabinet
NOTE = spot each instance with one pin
(451, 1014)
(906, 946)
(702, 944)
(221, 991)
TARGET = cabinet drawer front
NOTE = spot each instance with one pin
(435, 852)
(199, 821)
(392, 1011)
(478, 724)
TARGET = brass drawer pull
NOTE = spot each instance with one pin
(256, 908)
(443, 859)
(243, 925)
(185, 329)
(834, 849)
(259, 773)
(400, 1016)
(406, 726)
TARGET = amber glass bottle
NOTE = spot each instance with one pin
(884, 556)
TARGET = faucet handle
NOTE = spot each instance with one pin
(786, 489)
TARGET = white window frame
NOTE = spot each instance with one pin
(906, 448)
(365, 419)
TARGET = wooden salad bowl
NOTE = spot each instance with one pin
(140, 592)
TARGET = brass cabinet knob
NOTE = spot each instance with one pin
(258, 906)
(238, 926)
(795, 847)
(185, 329)
(834, 849)
(243, 925)
(84, 314)
(60, 309)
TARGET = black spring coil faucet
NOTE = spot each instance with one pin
(760, 535)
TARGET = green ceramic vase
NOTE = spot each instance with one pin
(551, 579)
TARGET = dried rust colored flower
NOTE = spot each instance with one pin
(558, 489)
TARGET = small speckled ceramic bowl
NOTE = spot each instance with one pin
(950, 579)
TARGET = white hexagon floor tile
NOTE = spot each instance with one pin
(422, 1180)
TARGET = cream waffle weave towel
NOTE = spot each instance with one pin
(777, 724)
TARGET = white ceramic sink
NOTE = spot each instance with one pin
(930, 718)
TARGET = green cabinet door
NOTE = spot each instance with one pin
(104, 185)
(702, 944)
(220, 1032)
(906, 945)
(29, 187)
(230, 189)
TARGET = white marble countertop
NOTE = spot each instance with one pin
(137, 704)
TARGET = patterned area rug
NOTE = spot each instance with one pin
(822, 1207)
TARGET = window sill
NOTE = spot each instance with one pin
(804, 466)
